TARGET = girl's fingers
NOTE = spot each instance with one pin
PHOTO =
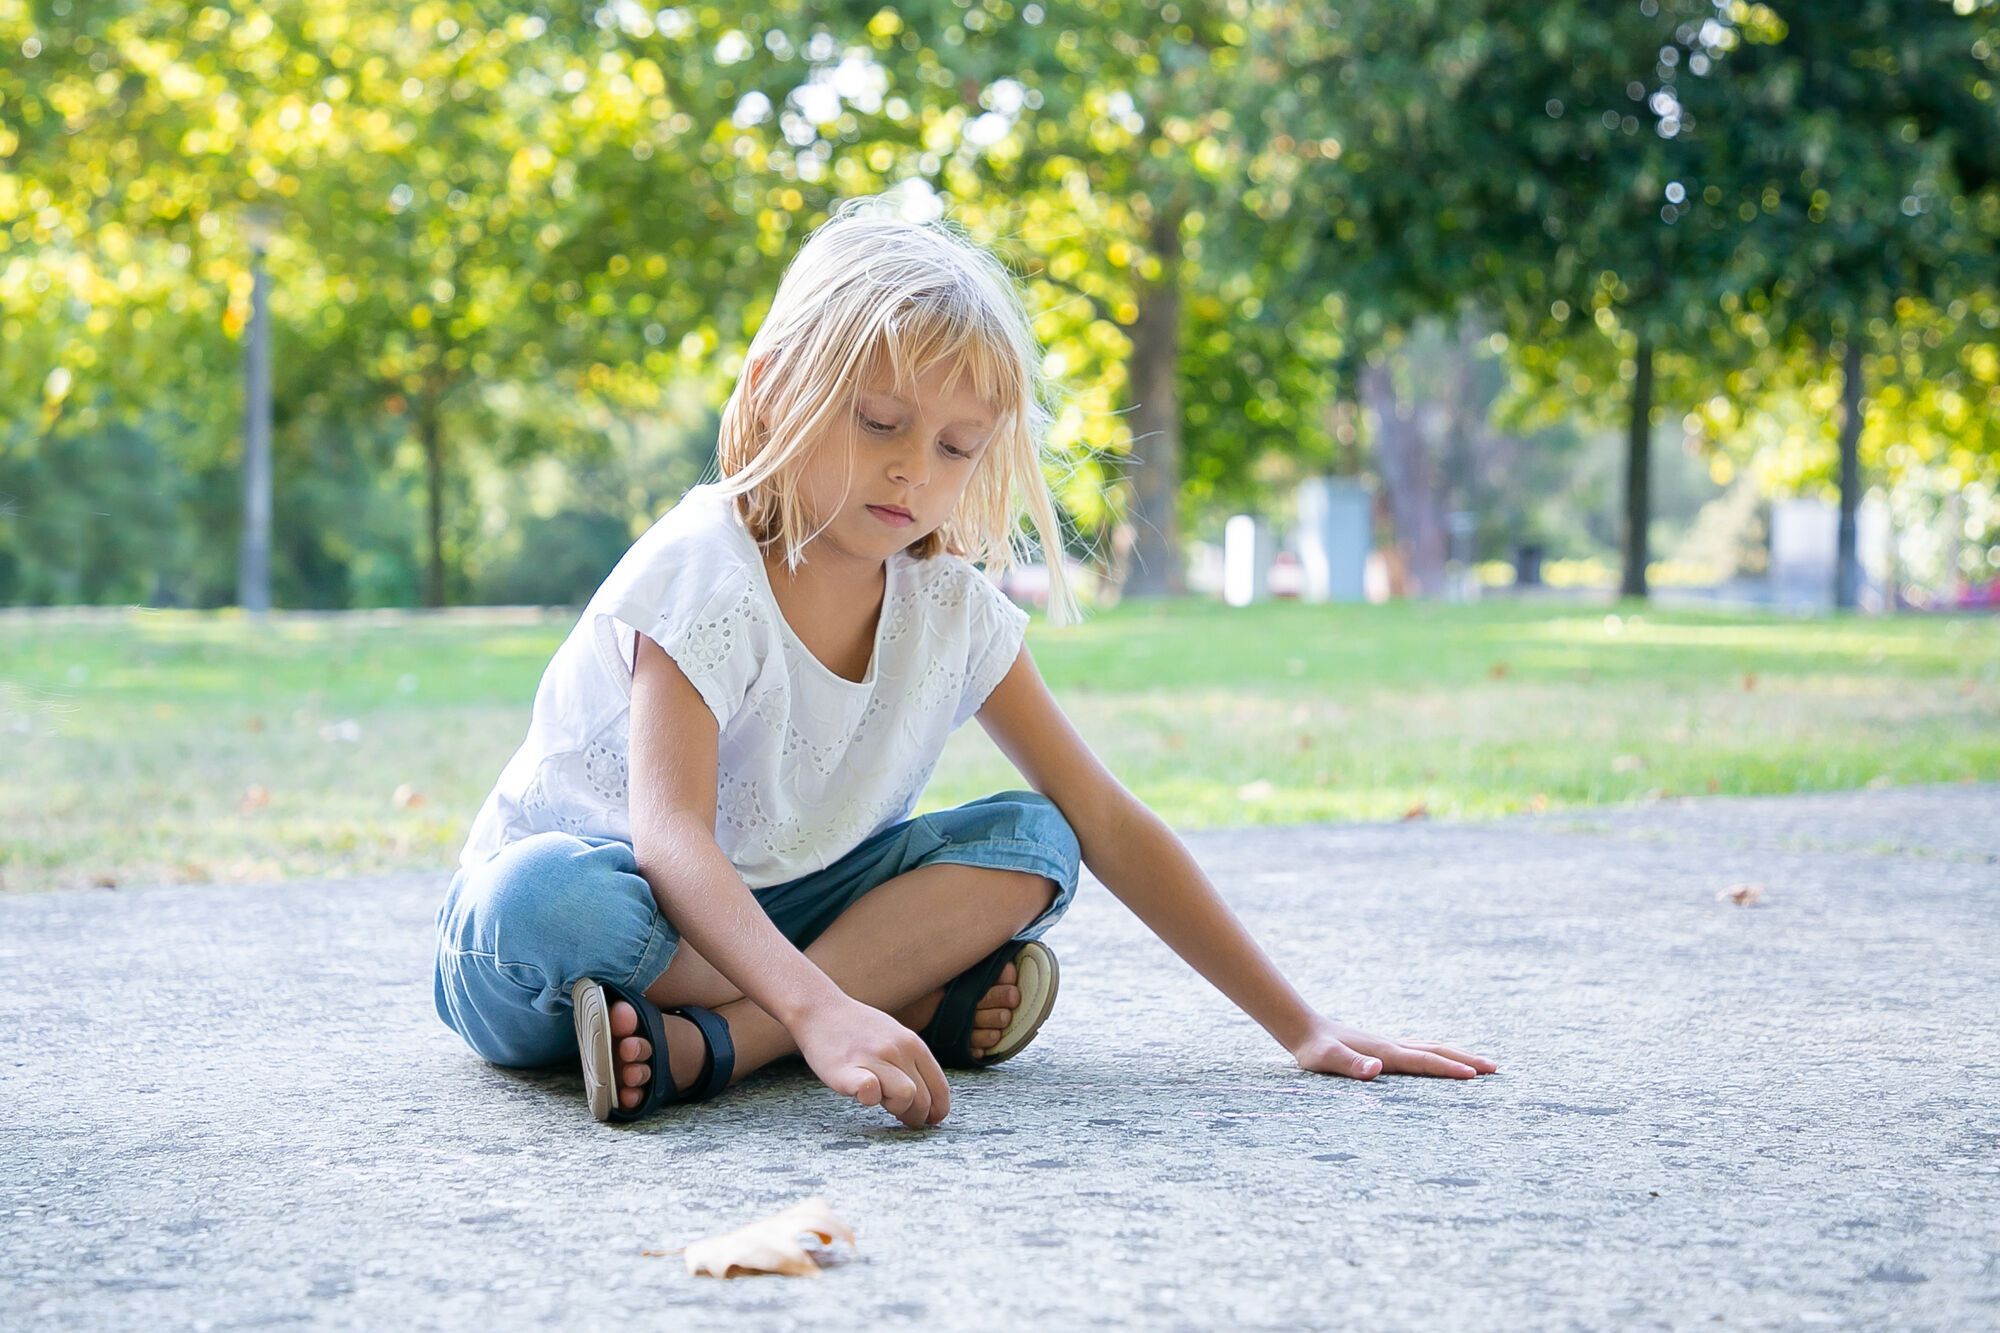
(932, 1075)
(902, 1097)
(1420, 1060)
(1478, 1062)
(1360, 1064)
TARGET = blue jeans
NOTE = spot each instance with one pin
(515, 933)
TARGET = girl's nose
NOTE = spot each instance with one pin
(909, 469)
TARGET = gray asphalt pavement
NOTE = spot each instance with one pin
(233, 1106)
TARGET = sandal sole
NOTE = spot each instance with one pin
(592, 1017)
(1037, 976)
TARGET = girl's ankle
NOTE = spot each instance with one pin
(916, 1016)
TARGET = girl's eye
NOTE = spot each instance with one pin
(884, 428)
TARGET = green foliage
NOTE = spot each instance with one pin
(561, 561)
(1871, 134)
(1735, 183)
(466, 197)
(85, 521)
(1861, 142)
(1121, 167)
(501, 236)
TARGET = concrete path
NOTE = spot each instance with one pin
(233, 1106)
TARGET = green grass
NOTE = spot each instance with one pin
(131, 738)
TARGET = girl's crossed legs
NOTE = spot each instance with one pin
(890, 922)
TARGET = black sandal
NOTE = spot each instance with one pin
(949, 1033)
(591, 1001)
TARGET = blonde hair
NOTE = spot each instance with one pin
(871, 290)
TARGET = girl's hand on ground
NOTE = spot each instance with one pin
(1334, 1048)
(863, 1053)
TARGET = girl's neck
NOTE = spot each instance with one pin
(835, 611)
(826, 574)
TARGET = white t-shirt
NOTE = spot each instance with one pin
(809, 764)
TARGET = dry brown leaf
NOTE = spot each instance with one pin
(1749, 680)
(255, 797)
(1421, 810)
(1498, 671)
(1742, 894)
(768, 1245)
(254, 724)
(407, 797)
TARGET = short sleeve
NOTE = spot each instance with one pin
(707, 621)
(998, 628)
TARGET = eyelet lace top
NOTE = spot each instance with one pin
(809, 764)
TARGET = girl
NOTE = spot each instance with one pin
(701, 858)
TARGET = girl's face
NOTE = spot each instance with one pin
(914, 452)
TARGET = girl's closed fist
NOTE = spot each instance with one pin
(863, 1053)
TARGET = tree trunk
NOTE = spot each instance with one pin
(1156, 569)
(1343, 417)
(430, 432)
(253, 575)
(1638, 471)
(1847, 569)
(1409, 479)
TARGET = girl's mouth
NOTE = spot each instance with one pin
(891, 517)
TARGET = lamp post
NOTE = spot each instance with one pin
(253, 574)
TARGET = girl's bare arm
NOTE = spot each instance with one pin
(855, 1049)
(1136, 856)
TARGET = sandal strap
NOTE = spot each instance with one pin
(949, 1033)
(660, 1083)
(718, 1059)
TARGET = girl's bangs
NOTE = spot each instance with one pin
(920, 337)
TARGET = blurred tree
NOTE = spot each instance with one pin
(1530, 162)
(1113, 149)
(472, 196)
(1870, 136)
(506, 233)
